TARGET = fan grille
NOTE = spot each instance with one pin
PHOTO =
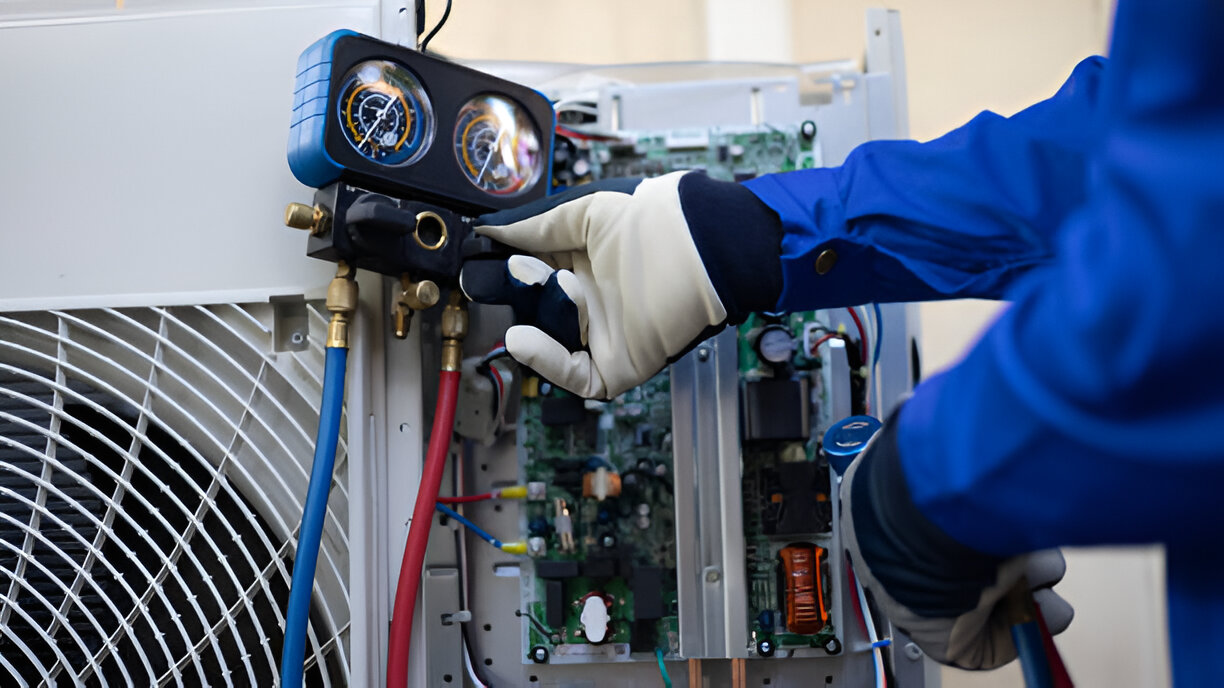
(152, 467)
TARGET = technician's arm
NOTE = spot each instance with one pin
(960, 216)
(1092, 412)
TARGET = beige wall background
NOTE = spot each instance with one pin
(962, 56)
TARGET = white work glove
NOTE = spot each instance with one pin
(951, 600)
(626, 275)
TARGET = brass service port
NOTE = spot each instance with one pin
(430, 230)
(302, 216)
(413, 296)
(342, 302)
(454, 329)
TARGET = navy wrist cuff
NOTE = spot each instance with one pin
(919, 565)
(739, 239)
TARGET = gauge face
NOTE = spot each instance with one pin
(776, 345)
(384, 113)
(497, 146)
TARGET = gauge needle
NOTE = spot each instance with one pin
(489, 157)
(377, 121)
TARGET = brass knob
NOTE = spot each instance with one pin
(420, 295)
(302, 216)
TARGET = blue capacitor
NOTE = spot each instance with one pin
(766, 620)
(846, 438)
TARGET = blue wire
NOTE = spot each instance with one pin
(301, 587)
(663, 669)
(1033, 662)
(469, 525)
(879, 333)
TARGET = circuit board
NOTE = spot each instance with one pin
(605, 528)
(620, 549)
(729, 155)
(787, 493)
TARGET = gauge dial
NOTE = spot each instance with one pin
(775, 345)
(497, 146)
(385, 113)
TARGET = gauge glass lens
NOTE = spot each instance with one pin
(497, 146)
(385, 113)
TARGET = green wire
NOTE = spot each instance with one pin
(663, 669)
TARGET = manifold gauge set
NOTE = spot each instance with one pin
(405, 148)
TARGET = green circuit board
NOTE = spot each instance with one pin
(619, 543)
(787, 490)
(562, 439)
(727, 155)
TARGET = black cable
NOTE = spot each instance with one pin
(438, 27)
(544, 631)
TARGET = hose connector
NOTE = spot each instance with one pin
(454, 329)
(342, 302)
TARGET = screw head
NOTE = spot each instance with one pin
(703, 353)
(765, 647)
(539, 654)
(713, 576)
(913, 652)
(833, 646)
(297, 337)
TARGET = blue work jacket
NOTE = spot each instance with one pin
(1092, 411)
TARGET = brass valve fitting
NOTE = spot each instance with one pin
(311, 218)
(454, 329)
(342, 302)
(413, 296)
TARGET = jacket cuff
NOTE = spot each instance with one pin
(739, 240)
(917, 563)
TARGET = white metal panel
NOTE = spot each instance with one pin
(142, 150)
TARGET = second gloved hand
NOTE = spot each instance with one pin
(950, 599)
(625, 275)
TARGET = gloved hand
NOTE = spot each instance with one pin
(948, 598)
(626, 275)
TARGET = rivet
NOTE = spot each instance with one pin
(825, 261)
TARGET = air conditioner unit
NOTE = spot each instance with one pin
(161, 355)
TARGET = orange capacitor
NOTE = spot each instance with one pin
(601, 484)
(804, 604)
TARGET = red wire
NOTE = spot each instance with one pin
(862, 333)
(822, 340)
(418, 534)
(570, 133)
(466, 499)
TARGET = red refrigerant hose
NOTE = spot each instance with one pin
(418, 533)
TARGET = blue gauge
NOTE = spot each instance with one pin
(385, 113)
(365, 113)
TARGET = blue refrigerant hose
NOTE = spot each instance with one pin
(314, 512)
(1034, 664)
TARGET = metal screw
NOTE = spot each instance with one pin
(703, 354)
(913, 652)
(712, 575)
(297, 337)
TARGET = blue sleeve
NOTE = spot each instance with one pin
(1092, 411)
(961, 216)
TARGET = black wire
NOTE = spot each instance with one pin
(429, 36)
(545, 631)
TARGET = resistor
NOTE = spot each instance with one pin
(564, 526)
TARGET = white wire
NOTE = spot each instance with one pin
(471, 670)
(876, 651)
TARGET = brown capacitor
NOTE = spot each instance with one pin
(804, 604)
